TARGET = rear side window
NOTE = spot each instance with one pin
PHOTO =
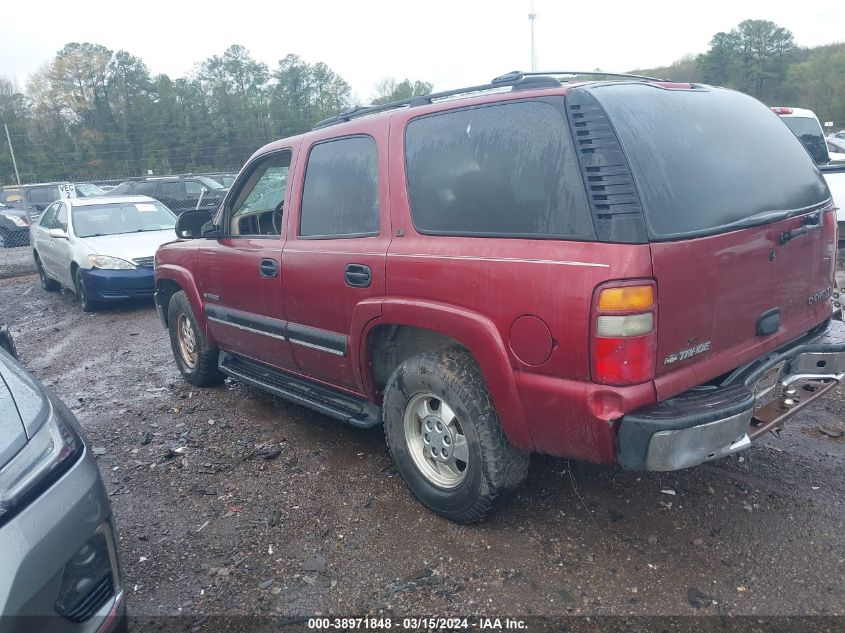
(340, 196)
(504, 170)
(706, 159)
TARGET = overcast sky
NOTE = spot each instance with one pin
(451, 43)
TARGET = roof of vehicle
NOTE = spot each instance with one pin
(93, 200)
(789, 111)
(513, 85)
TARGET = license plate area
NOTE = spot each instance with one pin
(768, 381)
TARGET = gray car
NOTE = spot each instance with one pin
(59, 565)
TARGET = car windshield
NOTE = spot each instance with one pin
(208, 183)
(87, 190)
(122, 217)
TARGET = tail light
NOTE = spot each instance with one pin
(624, 333)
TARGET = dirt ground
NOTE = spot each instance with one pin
(229, 500)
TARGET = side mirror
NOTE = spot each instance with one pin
(58, 234)
(7, 342)
(189, 225)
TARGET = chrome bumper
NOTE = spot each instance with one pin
(714, 421)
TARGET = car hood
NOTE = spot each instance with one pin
(6, 210)
(23, 407)
(128, 245)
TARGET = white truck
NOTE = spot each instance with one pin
(805, 125)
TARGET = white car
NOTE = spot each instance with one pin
(101, 248)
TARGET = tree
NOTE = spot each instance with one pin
(388, 90)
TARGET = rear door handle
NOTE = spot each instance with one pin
(268, 268)
(358, 276)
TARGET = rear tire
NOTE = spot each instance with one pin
(85, 302)
(195, 357)
(47, 284)
(445, 437)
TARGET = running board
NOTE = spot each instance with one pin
(325, 400)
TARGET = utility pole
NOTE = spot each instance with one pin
(12, 152)
(531, 17)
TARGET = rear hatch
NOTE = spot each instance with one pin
(739, 220)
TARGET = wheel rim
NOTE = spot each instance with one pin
(435, 441)
(187, 341)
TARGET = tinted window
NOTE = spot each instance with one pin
(173, 188)
(508, 169)
(340, 196)
(809, 132)
(144, 188)
(43, 195)
(704, 159)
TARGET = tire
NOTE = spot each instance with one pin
(47, 284)
(492, 469)
(85, 302)
(199, 368)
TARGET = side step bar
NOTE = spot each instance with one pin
(339, 405)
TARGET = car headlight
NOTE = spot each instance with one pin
(17, 220)
(107, 262)
(53, 448)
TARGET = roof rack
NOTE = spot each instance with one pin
(517, 80)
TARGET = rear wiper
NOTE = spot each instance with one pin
(765, 217)
(810, 223)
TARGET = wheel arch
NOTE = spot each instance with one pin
(407, 328)
(172, 279)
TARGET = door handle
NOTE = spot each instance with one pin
(358, 276)
(268, 268)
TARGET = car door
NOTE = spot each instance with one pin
(335, 263)
(241, 275)
(43, 241)
(60, 247)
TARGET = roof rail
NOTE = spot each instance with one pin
(517, 80)
(516, 75)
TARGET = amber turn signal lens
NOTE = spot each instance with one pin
(626, 298)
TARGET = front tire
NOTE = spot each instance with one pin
(85, 301)
(445, 437)
(47, 284)
(195, 356)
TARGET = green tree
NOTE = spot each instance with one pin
(388, 90)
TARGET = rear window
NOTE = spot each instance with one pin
(809, 132)
(505, 170)
(705, 159)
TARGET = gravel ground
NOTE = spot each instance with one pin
(229, 500)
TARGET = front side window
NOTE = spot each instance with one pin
(48, 219)
(61, 217)
(173, 189)
(503, 170)
(259, 206)
(340, 195)
(43, 195)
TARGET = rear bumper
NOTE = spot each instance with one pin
(709, 422)
(117, 285)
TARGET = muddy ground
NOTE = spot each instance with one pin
(229, 500)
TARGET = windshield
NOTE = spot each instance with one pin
(121, 217)
(208, 183)
(87, 190)
(809, 132)
(706, 159)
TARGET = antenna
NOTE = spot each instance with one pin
(531, 17)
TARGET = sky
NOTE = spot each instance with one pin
(449, 43)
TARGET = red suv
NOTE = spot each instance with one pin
(621, 271)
